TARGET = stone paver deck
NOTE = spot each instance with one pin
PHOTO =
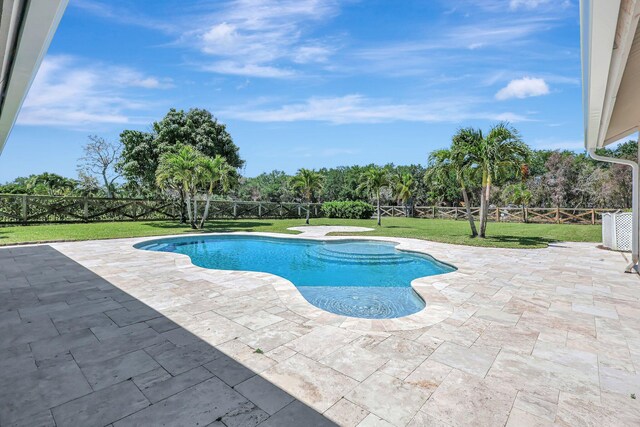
(97, 333)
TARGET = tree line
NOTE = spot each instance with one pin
(542, 178)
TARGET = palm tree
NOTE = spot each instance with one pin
(442, 165)
(403, 186)
(500, 153)
(217, 173)
(182, 170)
(307, 182)
(519, 194)
(372, 181)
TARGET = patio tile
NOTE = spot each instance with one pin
(102, 407)
(245, 415)
(373, 420)
(50, 347)
(181, 359)
(536, 406)
(164, 388)
(346, 413)
(25, 394)
(462, 396)
(574, 410)
(596, 311)
(572, 354)
(296, 414)
(331, 337)
(520, 418)
(311, 382)
(258, 320)
(229, 370)
(265, 395)
(201, 404)
(355, 362)
(429, 375)
(112, 371)
(390, 398)
(17, 359)
(41, 419)
(474, 360)
(619, 381)
(24, 332)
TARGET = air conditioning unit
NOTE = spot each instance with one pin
(616, 231)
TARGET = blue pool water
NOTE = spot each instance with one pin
(356, 278)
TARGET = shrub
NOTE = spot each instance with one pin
(348, 209)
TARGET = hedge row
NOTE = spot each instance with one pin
(349, 209)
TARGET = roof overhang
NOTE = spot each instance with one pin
(610, 40)
(26, 30)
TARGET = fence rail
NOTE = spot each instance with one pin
(28, 209)
(506, 214)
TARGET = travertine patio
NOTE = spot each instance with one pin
(515, 337)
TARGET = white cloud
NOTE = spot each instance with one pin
(356, 108)
(249, 70)
(69, 93)
(533, 4)
(523, 88)
(255, 37)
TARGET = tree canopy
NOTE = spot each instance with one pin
(197, 128)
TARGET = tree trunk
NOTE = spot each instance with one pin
(378, 197)
(472, 224)
(308, 210)
(191, 221)
(182, 206)
(106, 184)
(484, 201)
(206, 210)
(524, 214)
(194, 223)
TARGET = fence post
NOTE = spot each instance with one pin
(456, 212)
(299, 211)
(497, 214)
(558, 215)
(24, 208)
(280, 210)
(526, 214)
(593, 216)
(259, 210)
(85, 210)
(434, 212)
(235, 209)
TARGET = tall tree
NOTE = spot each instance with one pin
(217, 175)
(495, 155)
(403, 188)
(444, 164)
(308, 182)
(373, 180)
(197, 128)
(182, 170)
(50, 184)
(100, 159)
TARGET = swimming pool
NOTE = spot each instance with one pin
(357, 278)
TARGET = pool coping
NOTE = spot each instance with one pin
(438, 307)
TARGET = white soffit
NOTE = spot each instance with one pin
(26, 30)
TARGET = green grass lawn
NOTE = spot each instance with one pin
(506, 235)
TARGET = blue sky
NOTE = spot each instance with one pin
(305, 83)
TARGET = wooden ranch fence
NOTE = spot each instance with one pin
(505, 214)
(27, 209)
